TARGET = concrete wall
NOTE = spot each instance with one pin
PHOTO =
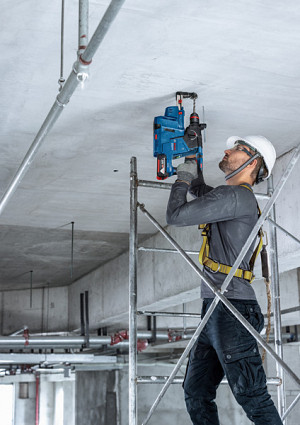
(159, 281)
(47, 313)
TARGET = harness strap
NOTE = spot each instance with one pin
(215, 267)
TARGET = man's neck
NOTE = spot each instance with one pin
(239, 179)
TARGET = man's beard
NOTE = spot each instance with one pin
(223, 165)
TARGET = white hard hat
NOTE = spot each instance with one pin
(259, 144)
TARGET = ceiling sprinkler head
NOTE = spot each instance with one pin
(82, 77)
(81, 72)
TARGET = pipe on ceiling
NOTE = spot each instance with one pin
(9, 342)
(83, 26)
(77, 75)
(61, 79)
(120, 339)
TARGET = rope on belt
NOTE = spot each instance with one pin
(266, 275)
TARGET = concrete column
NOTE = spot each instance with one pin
(47, 401)
(69, 402)
(25, 408)
(97, 398)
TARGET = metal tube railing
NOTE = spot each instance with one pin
(169, 314)
(291, 407)
(168, 251)
(275, 288)
(266, 211)
(132, 368)
(288, 310)
(179, 380)
(168, 186)
(155, 185)
(80, 67)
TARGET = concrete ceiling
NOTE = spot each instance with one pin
(241, 57)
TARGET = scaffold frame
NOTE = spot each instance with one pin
(268, 213)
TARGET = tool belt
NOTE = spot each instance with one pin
(217, 267)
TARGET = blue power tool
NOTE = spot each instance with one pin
(171, 140)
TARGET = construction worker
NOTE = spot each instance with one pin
(225, 346)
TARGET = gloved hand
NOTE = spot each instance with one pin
(187, 171)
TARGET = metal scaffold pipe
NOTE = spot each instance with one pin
(275, 287)
(168, 251)
(76, 76)
(155, 185)
(133, 295)
(179, 380)
(290, 408)
(283, 230)
(168, 186)
(169, 314)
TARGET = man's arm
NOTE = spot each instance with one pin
(190, 173)
(216, 205)
(198, 187)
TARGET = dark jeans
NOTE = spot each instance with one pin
(226, 347)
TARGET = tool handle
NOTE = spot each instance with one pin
(186, 95)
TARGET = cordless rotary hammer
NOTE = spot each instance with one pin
(171, 140)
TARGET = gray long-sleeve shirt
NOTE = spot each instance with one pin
(232, 212)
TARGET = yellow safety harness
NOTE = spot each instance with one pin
(214, 266)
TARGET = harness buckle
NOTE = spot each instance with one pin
(219, 265)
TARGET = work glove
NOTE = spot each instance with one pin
(187, 171)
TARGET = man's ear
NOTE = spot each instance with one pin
(252, 164)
